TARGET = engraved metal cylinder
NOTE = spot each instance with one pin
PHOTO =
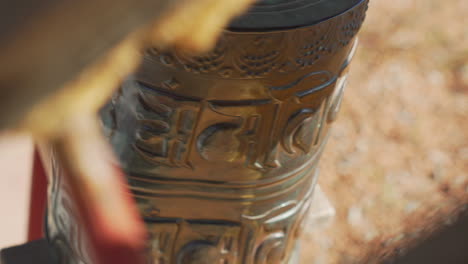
(221, 149)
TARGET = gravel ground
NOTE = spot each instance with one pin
(396, 166)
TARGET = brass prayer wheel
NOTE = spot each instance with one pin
(221, 149)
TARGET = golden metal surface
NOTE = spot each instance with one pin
(221, 150)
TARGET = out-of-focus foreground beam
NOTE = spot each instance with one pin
(45, 45)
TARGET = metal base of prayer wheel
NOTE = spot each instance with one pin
(221, 149)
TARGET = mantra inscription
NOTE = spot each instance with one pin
(188, 130)
(221, 150)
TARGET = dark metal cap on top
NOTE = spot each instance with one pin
(267, 15)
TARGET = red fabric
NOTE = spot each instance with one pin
(38, 199)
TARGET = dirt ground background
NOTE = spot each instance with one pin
(396, 165)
